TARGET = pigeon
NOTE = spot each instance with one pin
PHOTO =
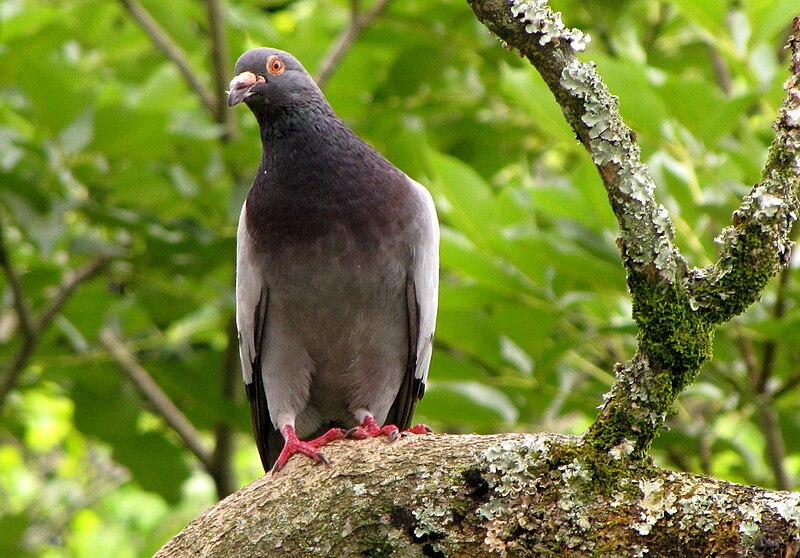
(337, 273)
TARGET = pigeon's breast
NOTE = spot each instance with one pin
(337, 271)
(299, 210)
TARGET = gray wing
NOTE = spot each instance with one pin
(252, 298)
(422, 292)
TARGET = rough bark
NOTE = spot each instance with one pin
(501, 495)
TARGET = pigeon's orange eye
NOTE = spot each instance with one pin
(275, 65)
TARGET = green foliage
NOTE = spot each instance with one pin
(105, 150)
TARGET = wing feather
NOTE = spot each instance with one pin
(422, 291)
(252, 300)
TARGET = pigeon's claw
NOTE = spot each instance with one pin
(293, 445)
(292, 448)
(419, 429)
(357, 433)
(370, 429)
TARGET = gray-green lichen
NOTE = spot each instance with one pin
(786, 505)
(654, 504)
(624, 448)
(646, 228)
(541, 20)
(545, 499)
(756, 245)
(519, 470)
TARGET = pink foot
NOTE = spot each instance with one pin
(370, 429)
(419, 429)
(292, 445)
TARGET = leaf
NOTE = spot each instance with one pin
(769, 19)
(464, 197)
(703, 108)
(12, 531)
(139, 453)
(107, 407)
(472, 395)
(527, 90)
(46, 230)
(710, 16)
(75, 137)
(459, 255)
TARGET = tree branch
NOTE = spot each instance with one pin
(769, 423)
(71, 282)
(771, 347)
(788, 387)
(161, 402)
(593, 113)
(222, 469)
(756, 246)
(171, 50)
(345, 40)
(675, 308)
(768, 420)
(220, 62)
(18, 296)
(647, 385)
(500, 495)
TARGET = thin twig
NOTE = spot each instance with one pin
(222, 470)
(15, 367)
(17, 294)
(748, 355)
(29, 337)
(767, 417)
(171, 50)
(768, 420)
(161, 402)
(721, 71)
(778, 312)
(787, 387)
(770, 426)
(220, 62)
(71, 282)
(221, 466)
(345, 40)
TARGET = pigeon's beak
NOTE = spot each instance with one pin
(241, 87)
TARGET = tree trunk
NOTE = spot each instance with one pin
(499, 495)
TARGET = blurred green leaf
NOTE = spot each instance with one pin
(12, 529)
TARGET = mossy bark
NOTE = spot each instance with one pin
(676, 307)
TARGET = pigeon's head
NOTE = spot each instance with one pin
(268, 79)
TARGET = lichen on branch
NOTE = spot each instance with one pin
(756, 245)
(545, 23)
(675, 307)
(475, 496)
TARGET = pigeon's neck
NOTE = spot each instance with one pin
(296, 125)
(316, 176)
(308, 146)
